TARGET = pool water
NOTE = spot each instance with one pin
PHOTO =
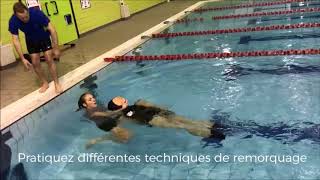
(269, 91)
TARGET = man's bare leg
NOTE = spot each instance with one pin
(197, 130)
(198, 123)
(38, 70)
(52, 68)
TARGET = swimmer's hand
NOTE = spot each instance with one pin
(121, 135)
(56, 52)
(27, 64)
(91, 143)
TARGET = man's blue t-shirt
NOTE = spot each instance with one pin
(34, 30)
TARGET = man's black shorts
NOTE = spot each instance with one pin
(38, 46)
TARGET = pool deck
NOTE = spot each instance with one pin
(21, 97)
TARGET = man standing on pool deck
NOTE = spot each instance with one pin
(37, 29)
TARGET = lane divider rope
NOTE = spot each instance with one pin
(237, 30)
(200, 10)
(214, 55)
(272, 13)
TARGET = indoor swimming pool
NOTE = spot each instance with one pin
(270, 106)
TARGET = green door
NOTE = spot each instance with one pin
(60, 14)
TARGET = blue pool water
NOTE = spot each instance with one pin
(256, 96)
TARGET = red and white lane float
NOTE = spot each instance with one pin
(246, 5)
(200, 56)
(237, 30)
(272, 13)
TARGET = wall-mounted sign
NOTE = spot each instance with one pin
(85, 4)
(33, 3)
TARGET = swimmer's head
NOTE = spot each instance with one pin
(87, 101)
(117, 103)
(21, 11)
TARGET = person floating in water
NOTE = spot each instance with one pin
(141, 112)
(285, 133)
(234, 71)
(104, 120)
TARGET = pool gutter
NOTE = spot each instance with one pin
(22, 107)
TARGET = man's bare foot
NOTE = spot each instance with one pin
(44, 87)
(58, 88)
